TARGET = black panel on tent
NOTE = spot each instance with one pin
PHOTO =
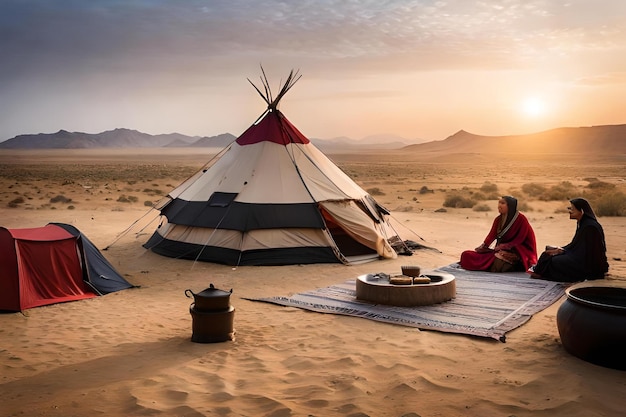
(243, 216)
(284, 256)
(102, 275)
(219, 199)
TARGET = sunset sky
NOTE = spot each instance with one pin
(416, 69)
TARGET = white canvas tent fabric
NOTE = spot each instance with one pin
(272, 198)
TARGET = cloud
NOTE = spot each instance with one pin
(608, 79)
(163, 35)
(153, 55)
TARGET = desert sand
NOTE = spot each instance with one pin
(130, 353)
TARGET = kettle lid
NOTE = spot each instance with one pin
(214, 292)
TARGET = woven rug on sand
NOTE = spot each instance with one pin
(486, 304)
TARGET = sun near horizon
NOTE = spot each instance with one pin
(534, 107)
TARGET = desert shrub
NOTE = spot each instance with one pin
(71, 207)
(562, 191)
(489, 187)
(479, 197)
(533, 189)
(375, 191)
(611, 204)
(425, 190)
(60, 199)
(600, 186)
(15, 202)
(523, 206)
(148, 203)
(482, 207)
(458, 201)
(127, 199)
(152, 191)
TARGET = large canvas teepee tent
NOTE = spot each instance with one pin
(272, 198)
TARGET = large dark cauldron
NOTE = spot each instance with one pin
(592, 324)
(212, 315)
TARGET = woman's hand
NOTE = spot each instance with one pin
(483, 248)
(555, 251)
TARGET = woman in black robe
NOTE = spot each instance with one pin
(584, 258)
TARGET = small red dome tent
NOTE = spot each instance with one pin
(52, 264)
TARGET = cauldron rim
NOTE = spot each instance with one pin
(581, 294)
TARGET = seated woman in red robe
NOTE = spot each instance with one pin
(584, 258)
(515, 249)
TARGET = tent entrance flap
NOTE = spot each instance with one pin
(50, 271)
(346, 243)
(357, 225)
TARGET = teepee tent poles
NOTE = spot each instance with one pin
(272, 104)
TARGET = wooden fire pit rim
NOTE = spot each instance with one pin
(407, 295)
(446, 278)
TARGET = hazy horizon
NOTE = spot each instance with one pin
(376, 138)
(417, 69)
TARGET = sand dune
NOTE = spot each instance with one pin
(130, 354)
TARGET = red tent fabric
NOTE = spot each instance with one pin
(274, 127)
(39, 266)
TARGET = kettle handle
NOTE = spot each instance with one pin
(187, 291)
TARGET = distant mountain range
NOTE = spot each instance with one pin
(117, 138)
(597, 140)
(127, 138)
